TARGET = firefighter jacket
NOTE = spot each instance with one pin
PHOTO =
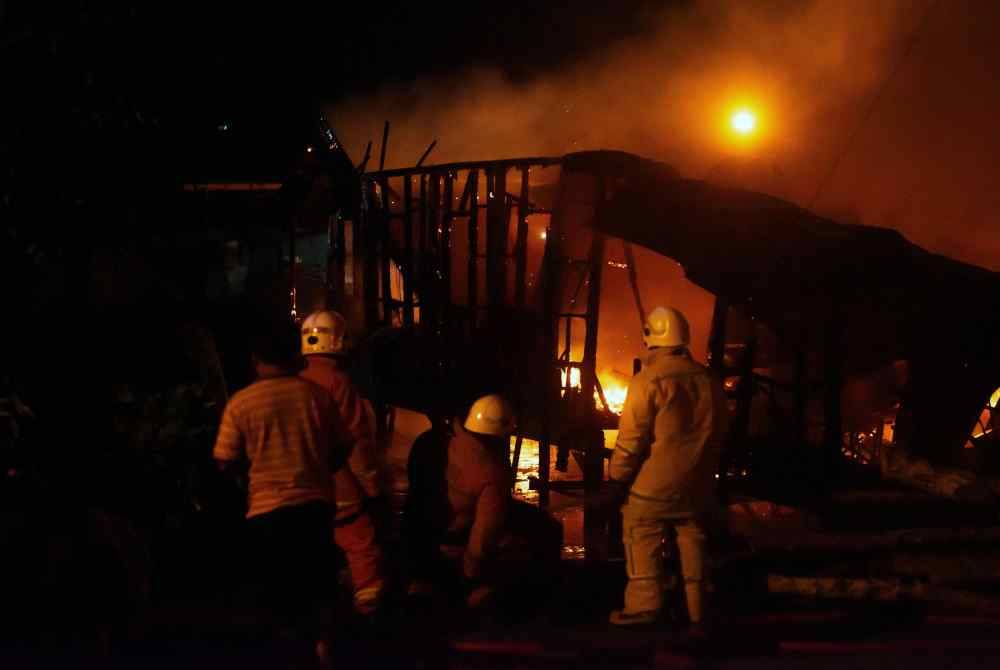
(476, 484)
(670, 436)
(363, 462)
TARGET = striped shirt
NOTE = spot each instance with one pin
(290, 432)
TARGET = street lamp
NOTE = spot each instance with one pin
(743, 121)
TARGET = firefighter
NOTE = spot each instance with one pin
(460, 518)
(288, 430)
(663, 468)
(358, 483)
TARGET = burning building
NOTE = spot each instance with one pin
(491, 276)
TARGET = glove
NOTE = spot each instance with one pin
(610, 497)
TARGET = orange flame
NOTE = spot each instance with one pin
(615, 387)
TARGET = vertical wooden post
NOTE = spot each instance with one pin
(588, 371)
(447, 207)
(434, 216)
(385, 256)
(717, 335)
(473, 261)
(423, 223)
(740, 427)
(550, 376)
(335, 259)
(496, 238)
(521, 247)
(369, 240)
(408, 250)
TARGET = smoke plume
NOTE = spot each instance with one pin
(919, 161)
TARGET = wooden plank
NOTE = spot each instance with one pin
(521, 246)
(445, 249)
(408, 271)
(531, 161)
(472, 188)
(496, 237)
(385, 259)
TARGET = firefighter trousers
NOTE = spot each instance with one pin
(356, 537)
(643, 534)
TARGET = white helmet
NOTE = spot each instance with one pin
(323, 333)
(490, 415)
(666, 327)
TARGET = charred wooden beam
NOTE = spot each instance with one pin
(385, 143)
(521, 246)
(434, 216)
(423, 223)
(496, 238)
(426, 153)
(633, 280)
(408, 250)
(550, 377)
(717, 334)
(445, 249)
(364, 161)
(588, 369)
(366, 231)
(472, 189)
(506, 164)
(385, 256)
(336, 260)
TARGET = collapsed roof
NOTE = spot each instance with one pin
(805, 276)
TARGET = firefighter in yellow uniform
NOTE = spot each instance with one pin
(664, 466)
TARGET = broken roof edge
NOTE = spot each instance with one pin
(528, 161)
(609, 162)
(617, 164)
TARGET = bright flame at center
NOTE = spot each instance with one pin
(613, 383)
(615, 387)
(743, 121)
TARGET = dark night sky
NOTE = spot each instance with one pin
(108, 92)
(190, 67)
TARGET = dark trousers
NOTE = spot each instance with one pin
(289, 557)
(531, 543)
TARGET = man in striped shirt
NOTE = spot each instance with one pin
(289, 431)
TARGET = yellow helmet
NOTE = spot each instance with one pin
(490, 415)
(666, 327)
(323, 333)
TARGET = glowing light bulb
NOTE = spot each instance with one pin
(743, 121)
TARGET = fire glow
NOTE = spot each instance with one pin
(613, 384)
(984, 425)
